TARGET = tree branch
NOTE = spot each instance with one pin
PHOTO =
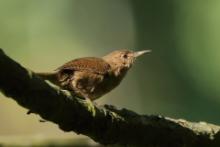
(106, 125)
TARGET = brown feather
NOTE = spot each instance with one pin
(89, 64)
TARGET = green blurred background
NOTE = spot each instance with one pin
(179, 79)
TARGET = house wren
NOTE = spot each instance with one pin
(92, 77)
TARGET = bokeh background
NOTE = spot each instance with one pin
(179, 79)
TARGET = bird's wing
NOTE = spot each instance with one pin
(89, 64)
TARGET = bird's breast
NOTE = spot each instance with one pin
(106, 85)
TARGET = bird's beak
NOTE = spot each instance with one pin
(139, 53)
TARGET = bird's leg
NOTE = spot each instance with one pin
(86, 96)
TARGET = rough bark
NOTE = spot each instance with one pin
(106, 125)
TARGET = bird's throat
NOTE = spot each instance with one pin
(120, 72)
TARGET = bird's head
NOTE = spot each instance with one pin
(123, 59)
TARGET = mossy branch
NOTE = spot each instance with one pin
(106, 125)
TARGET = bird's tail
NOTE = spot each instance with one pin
(52, 77)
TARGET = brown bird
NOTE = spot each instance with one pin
(92, 77)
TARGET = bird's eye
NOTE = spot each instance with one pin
(125, 56)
